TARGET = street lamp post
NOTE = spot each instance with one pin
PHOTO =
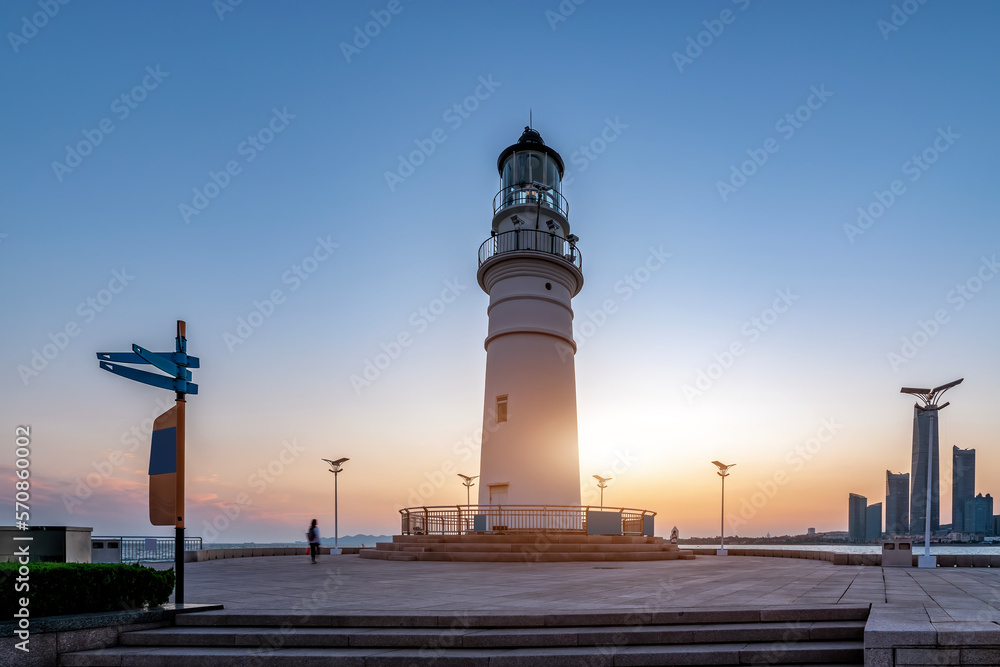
(468, 483)
(929, 397)
(723, 472)
(336, 469)
(602, 483)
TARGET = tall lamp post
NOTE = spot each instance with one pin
(602, 483)
(929, 397)
(723, 473)
(335, 468)
(468, 483)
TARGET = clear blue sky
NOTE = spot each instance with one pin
(202, 86)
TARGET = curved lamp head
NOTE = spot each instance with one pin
(723, 468)
(468, 480)
(602, 481)
(930, 397)
(335, 465)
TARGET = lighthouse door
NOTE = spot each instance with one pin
(497, 515)
(498, 494)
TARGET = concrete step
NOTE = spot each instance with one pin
(471, 553)
(386, 555)
(254, 636)
(529, 538)
(545, 557)
(543, 546)
(775, 635)
(521, 547)
(533, 548)
(465, 620)
(846, 652)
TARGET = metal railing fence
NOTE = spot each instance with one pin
(150, 549)
(461, 519)
(535, 240)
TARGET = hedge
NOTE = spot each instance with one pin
(56, 589)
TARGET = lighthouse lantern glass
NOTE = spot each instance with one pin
(524, 172)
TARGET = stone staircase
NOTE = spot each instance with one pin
(526, 548)
(831, 635)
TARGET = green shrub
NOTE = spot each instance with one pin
(56, 589)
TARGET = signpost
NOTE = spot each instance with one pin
(176, 364)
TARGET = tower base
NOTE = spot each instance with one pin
(542, 547)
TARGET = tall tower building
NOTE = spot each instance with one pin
(857, 517)
(924, 422)
(873, 522)
(963, 484)
(897, 503)
(979, 515)
(531, 269)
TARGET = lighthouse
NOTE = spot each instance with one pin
(531, 270)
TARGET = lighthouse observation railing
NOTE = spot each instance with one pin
(531, 240)
(534, 194)
(461, 519)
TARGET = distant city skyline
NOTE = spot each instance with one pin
(782, 219)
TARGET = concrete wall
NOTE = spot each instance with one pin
(54, 544)
(945, 560)
(78, 548)
(215, 554)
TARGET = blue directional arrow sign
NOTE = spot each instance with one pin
(166, 479)
(154, 379)
(163, 364)
(178, 358)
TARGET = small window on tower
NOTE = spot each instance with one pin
(501, 408)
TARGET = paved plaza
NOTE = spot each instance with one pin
(347, 583)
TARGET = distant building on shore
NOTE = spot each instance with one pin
(873, 522)
(897, 502)
(979, 515)
(857, 514)
(963, 484)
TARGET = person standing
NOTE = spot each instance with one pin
(313, 536)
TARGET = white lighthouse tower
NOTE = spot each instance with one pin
(531, 269)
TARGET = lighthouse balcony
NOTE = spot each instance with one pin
(534, 194)
(530, 241)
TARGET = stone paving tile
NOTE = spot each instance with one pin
(351, 584)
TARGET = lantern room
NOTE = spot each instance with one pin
(531, 178)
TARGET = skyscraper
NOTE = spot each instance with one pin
(897, 503)
(924, 421)
(857, 514)
(963, 484)
(873, 522)
(979, 515)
